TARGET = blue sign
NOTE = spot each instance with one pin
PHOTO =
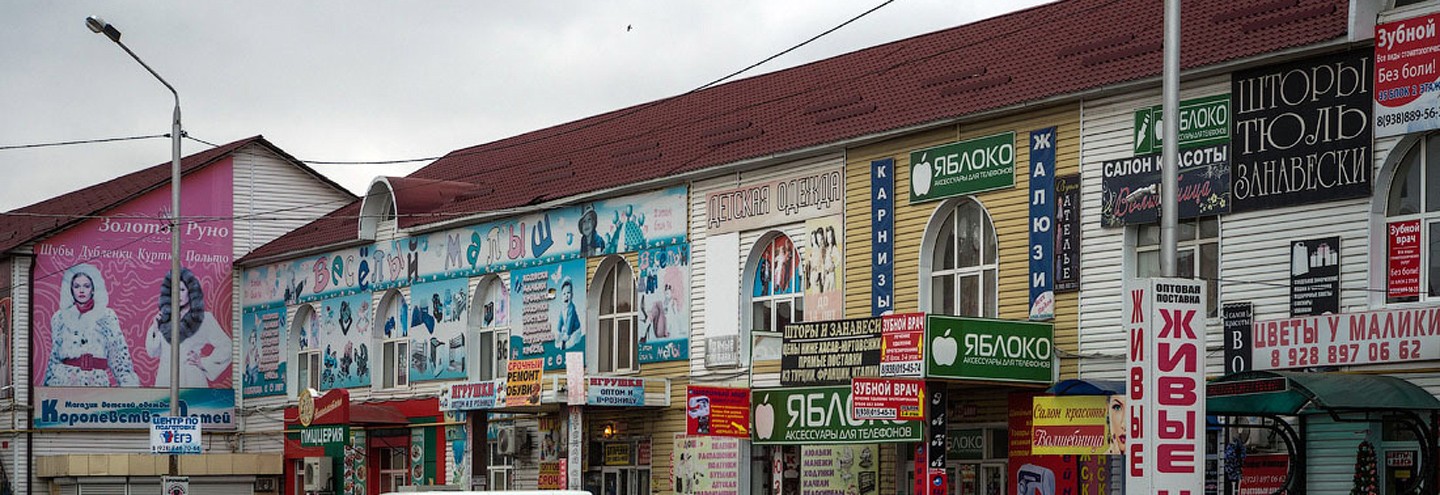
(1042, 224)
(882, 237)
(175, 435)
(605, 391)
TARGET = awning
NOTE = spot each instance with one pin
(1076, 386)
(376, 414)
(1289, 393)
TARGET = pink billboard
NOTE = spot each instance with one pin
(102, 292)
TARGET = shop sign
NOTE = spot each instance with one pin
(1247, 387)
(551, 476)
(991, 350)
(523, 380)
(1301, 132)
(1407, 98)
(1263, 473)
(1203, 121)
(717, 411)
(617, 454)
(575, 378)
(820, 415)
(902, 345)
(1130, 187)
(175, 485)
(550, 300)
(887, 398)
(1069, 425)
(575, 445)
(706, 465)
(1164, 320)
(324, 436)
(1067, 233)
(722, 351)
(965, 445)
(1403, 261)
(642, 453)
(265, 332)
(1237, 319)
(966, 167)
(787, 199)
(175, 435)
(882, 237)
(1400, 458)
(834, 469)
(1371, 337)
(1042, 224)
(605, 391)
(130, 408)
(1315, 276)
(936, 397)
(830, 352)
(488, 394)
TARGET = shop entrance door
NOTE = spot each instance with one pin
(977, 478)
(625, 481)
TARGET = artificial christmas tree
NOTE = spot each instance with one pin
(1366, 483)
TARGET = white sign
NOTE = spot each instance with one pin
(576, 444)
(175, 485)
(1165, 323)
(575, 378)
(175, 435)
(1371, 337)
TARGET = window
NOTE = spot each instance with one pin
(777, 296)
(307, 336)
(500, 466)
(394, 341)
(490, 325)
(394, 468)
(961, 261)
(1196, 256)
(1414, 196)
(616, 321)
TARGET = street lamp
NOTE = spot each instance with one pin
(99, 26)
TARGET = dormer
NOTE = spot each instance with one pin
(398, 202)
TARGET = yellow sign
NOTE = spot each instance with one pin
(523, 378)
(307, 406)
(617, 454)
(1069, 425)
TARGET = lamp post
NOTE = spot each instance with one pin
(99, 26)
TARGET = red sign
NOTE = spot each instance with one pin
(902, 345)
(1263, 473)
(717, 411)
(1406, 75)
(1400, 458)
(1165, 319)
(331, 407)
(887, 399)
(1403, 277)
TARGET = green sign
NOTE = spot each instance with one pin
(1203, 122)
(965, 445)
(820, 415)
(966, 167)
(325, 436)
(990, 350)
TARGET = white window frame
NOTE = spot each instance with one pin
(771, 302)
(1193, 245)
(394, 349)
(612, 354)
(490, 289)
(500, 468)
(943, 228)
(308, 365)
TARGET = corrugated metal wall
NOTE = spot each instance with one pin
(17, 465)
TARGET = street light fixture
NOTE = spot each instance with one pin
(99, 26)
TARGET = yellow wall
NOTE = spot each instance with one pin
(1008, 209)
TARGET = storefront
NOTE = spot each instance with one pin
(333, 445)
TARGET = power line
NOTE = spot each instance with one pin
(82, 141)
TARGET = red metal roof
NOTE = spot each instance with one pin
(1043, 52)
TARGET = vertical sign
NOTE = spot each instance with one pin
(1042, 229)
(1238, 317)
(882, 237)
(1165, 384)
(1315, 276)
(1402, 279)
(902, 344)
(936, 399)
(1407, 98)
(1067, 233)
(575, 444)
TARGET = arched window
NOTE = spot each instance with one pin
(958, 261)
(1414, 198)
(615, 325)
(777, 294)
(305, 330)
(490, 328)
(394, 336)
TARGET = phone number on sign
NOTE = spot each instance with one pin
(1342, 354)
(1406, 117)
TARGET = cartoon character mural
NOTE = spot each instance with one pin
(663, 286)
(345, 324)
(551, 300)
(439, 316)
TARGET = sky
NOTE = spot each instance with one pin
(368, 80)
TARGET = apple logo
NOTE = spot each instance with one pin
(764, 419)
(945, 349)
(920, 176)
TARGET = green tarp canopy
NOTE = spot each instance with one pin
(1261, 392)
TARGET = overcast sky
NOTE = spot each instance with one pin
(371, 80)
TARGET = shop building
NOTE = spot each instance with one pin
(85, 275)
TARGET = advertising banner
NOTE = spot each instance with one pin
(7, 332)
(551, 301)
(840, 470)
(266, 347)
(1130, 187)
(606, 391)
(1371, 337)
(488, 394)
(1407, 98)
(992, 350)
(1164, 319)
(902, 345)
(1315, 276)
(1263, 474)
(1067, 233)
(175, 435)
(1204, 121)
(717, 411)
(663, 285)
(439, 315)
(551, 476)
(830, 352)
(344, 340)
(523, 382)
(1301, 132)
(102, 293)
(706, 465)
(820, 415)
(887, 398)
(965, 444)
(1074, 424)
(130, 409)
(1237, 318)
(763, 203)
(882, 237)
(1042, 224)
(965, 167)
(824, 269)
(1402, 279)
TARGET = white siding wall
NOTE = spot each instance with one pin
(12, 413)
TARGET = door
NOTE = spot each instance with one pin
(619, 481)
(992, 478)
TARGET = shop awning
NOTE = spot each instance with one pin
(1289, 393)
(376, 414)
(1075, 386)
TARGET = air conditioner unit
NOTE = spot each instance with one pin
(317, 474)
(506, 441)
